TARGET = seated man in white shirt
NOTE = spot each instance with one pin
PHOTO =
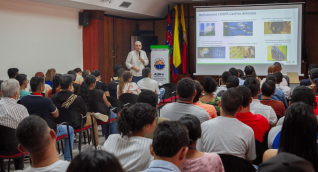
(186, 91)
(256, 106)
(226, 134)
(35, 137)
(286, 90)
(149, 84)
(225, 76)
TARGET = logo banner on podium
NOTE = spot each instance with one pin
(160, 63)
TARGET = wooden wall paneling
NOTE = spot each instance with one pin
(192, 10)
(311, 6)
(233, 3)
(161, 31)
(90, 44)
(101, 49)
(119, 41)
(126, 42)
(110, 25)
(311, 37)
(106, 50)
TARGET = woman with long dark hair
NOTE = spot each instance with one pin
(299, 134)
(96, 101)
(126, 86)
(95, 160)
(130, 146)
(55, 86)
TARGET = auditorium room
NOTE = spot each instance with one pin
(158, 85)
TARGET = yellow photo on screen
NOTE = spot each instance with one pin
(277, 27)
(277, 53)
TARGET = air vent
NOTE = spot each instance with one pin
(125, 4)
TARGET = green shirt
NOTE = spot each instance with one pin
(24, 93)
(214, 103)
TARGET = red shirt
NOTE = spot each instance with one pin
(316, 110)
(277, 105)
(257, 122)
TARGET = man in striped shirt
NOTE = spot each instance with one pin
(12, 113)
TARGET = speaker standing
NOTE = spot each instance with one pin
(136, 61)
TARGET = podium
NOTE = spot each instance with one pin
(160, 63)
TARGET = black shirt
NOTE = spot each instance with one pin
(76, 87)
(38, 105)
(101, 86)
(97, 104)
(112, 87)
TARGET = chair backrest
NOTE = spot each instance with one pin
(73, 118)
(168, 93)
(99, 107)
(50, 122)
(260, 149)
(8, 141)
(172, 87)
(115, 103)
(128, 98)
(235, 164)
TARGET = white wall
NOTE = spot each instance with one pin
(35, 37)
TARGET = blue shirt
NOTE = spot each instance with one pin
(162, 166)
(38, 105)
(50, 83)
(278, 95)
(305, 82)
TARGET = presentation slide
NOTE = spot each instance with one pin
(249, 35)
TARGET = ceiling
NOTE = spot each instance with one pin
(139, 9)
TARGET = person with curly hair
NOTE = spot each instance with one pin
(130, 146)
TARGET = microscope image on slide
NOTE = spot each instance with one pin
(211, 52)
(277, 27)
(241, 52)
(207, 29)
(238, 29)
(277, 53)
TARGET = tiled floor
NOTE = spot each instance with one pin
(75, 150)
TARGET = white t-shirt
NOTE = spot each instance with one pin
(59, 166)
(133, 153)
(267, 111)
(149, 84)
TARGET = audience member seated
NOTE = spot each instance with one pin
(241, 73)
(115, 69)
(97, 161)
(130, 146)
(100, 85)
(316, 96)
(285, 79)
(36, 138)
(112, 86)
(85, 73)
(149, 84)
(250, 72)
(271, 69)
(56, 87)
(46, 86)
(49, 76)
(1, 81)
(257, 122)
(278, 95)
(256, 106)
(209, 87)
(169, 147)
(76, 86)
(43, 107)
(298, 135)
(300, 94)
(225, 76)
(235, 72)
(186, 92)
(268, 90)
(307, 81)
(23, 81)
(285, 89)
(92, 97)
(226, 134)
(12, 113)
(196, 160)
(67, 99)
(286, 162)
(208, 108)
(126, 86)
(313, 75)
(232, 82)
(79, 78)
(13, 72)
(151, 98)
